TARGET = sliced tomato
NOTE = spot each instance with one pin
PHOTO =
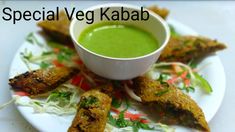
(172, 80)
(132, 116)
(118, 94)
(115, 110)
(85, 86)
(21, 93)
(79, 80)
(187, 82)
(76, 80)
(56, 50)
(184, 75)
(145, 121)
(57, 63)
(78, 61)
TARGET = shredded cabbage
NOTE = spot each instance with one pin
(60, 102)
(157, 127)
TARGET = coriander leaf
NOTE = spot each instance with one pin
(56, 96)
(111, 120)
(88, 101)
(192, 63)
(128, 103)
(116, 102)
(47, 53)
(44, 65)
(62, 56)
(160, 93)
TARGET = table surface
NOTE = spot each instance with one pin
(215, 19)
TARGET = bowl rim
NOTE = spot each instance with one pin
(163, 22)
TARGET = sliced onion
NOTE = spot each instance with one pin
(132, 94)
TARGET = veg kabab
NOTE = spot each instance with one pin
(42, 80)
(58, 30)
(172, 101)
(92, 112)
(185, 48)
(162, 12)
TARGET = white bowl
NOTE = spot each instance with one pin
(120, 68)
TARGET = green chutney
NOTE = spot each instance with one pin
(118, 40)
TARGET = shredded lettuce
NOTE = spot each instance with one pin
(60, 102)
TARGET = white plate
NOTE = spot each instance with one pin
(214, 73)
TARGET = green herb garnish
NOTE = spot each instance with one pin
(187, 89)
(116, 102)
(88, 101)
(61, 97)
(192, 63)
(160, 93)
(162, 78)
(45, 53)
(54, 96)
(44, 65)
(121, 122)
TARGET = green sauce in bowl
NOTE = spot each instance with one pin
(118, 40)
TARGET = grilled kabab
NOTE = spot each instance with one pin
(92, 112)
(172, 101)
(42, 80)
(185, 48)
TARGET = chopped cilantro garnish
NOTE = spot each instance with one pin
(88, 101)
(160, 93)
(192, 63)
(138, 125)
(121, 122)
(44, 65)
(59, 95)
(47, 53)
(187, 89)
(162, 78)
(116, 102)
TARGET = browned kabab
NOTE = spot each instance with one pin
(176, 105)
(42, 80)
(92, 112)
